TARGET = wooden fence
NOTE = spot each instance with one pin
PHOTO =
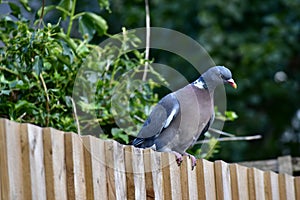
(38, 163)
(283, 164)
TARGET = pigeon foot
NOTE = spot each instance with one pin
(193, 159)
(179, 158)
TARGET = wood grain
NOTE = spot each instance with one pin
(44, 163)
(206, 185)
(74, 158)
(55, 167)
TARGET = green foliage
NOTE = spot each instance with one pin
(39, 66)
(34, 77)
(227, 116)
(112, 91)
(211, 148)
(89, 22)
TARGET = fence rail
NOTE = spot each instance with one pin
(284, 164)
(44, 163)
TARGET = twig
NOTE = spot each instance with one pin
(147, 40)
(138, 118)
(42, 14)
(19, 118)
(76, 116)
(254, 137)
(47, 98)
(8, 70)
(221, 132)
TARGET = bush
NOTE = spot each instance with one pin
(39, 66)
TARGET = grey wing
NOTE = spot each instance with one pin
(160, 118)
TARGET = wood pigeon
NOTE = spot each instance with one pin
(179, 118)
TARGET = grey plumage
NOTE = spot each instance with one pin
(180, 117)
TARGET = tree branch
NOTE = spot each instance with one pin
(246, 138)
(76, 116)
(220, 132)
(147, 40)
(47, 99)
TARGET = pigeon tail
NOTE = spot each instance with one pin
(143, 142)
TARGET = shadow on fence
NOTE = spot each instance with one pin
(44, 163)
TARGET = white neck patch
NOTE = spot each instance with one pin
(199, 84)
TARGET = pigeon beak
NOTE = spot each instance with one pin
(232, 83)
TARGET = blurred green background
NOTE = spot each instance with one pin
(258, 40)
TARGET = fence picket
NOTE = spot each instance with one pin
(109, 163)
(206, 179)
(139, 173)
(23, 136)
(11, 169)
(94, 165)
(129, 172)
(149, 183)
(286, 187)
(115, 163)
(166, 176)
(184, 178)
(76, 188)
(188, 180)
(192, 181)
(120, 175)
(168, 186)
(256, 184)
(156, 174)
(55, 167)
(36, 160)
(135, 176)
(239, 182)
(223, 182)
(297, 187)
(271, 186)
(88, 166)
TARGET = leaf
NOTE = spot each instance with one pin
(16, 84)
(100, 23)
(38, 65)
(118, 134)
(86, 27)
(66, 5)
(15, 9)
(104, 4)
(23, 104)
(103, 136)
(5, 92)
(68, 101)
(67, 51)
(231, 115)
(3, 79)
(25, 4)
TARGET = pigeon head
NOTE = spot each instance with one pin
(218, 75)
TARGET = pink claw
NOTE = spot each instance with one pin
(179, 158)
(194, 160)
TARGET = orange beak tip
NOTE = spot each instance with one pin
(234, 86)
(232, 83)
